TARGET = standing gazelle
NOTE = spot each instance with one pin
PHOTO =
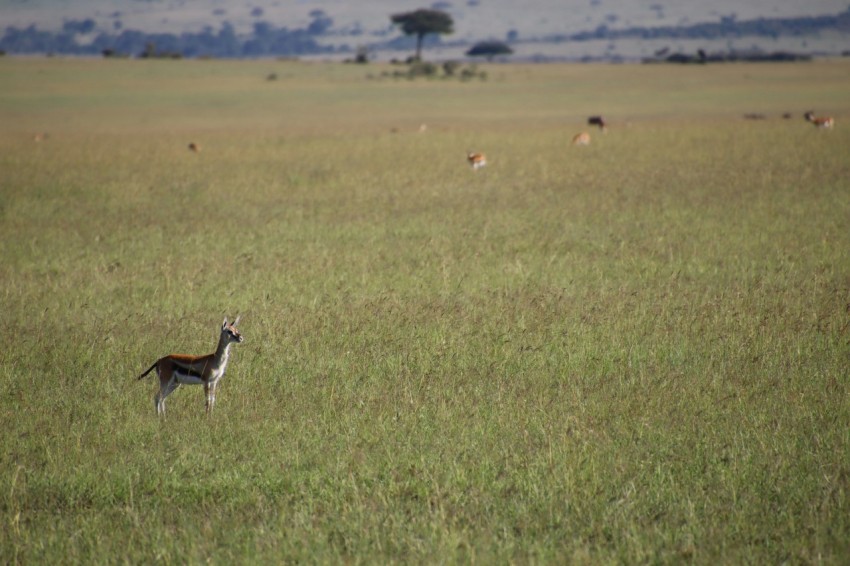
(819, 122)
(176, 369)
(582, 138)
(476, 160)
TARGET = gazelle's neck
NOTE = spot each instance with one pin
(222, 352)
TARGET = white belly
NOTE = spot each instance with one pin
(188, 379)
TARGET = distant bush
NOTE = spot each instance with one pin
(472, 72)
(426, 70)
(361, 57)
(730, 57)
(113, 54)
(489, 49)
(423, 69)
(450, 67)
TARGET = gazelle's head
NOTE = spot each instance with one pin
(230, 332)
(809, 116)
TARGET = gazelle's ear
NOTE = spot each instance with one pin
(238, 318)
(224, 324)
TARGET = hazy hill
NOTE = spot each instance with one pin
(537, 28)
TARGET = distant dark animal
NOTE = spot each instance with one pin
(194, 147)
(819, 122)
(754, 116)
(597, 121)
(786, 116)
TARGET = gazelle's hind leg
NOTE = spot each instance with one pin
(165, 389)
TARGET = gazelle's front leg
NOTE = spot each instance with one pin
(209, 389)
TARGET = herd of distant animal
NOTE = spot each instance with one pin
(816, 121)
(477, 160)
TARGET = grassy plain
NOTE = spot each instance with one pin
(632, 352)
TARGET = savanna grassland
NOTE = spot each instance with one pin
(632, 352)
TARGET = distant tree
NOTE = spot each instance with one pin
(263, 29)
(227, 43)
(362, 55)
(320, 24)
(79, 26)
(149, 51)
(489, 49)
(422, 22)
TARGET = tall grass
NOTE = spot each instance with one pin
(631, 352)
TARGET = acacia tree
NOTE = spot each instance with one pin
(422, 22)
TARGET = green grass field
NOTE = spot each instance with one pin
(632, 352)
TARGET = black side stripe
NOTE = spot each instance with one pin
(189, 371)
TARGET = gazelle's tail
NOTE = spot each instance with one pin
(147, 371)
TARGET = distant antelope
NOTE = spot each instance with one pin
(582, 138)
(195, 147)
(39, 137)
(598, 121)
(819, 122)
(476, 160)
(176, 369)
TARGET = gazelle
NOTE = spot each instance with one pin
(582, 138)
(195, 147)
(819, 122)
(177, 369)
(476, 160)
